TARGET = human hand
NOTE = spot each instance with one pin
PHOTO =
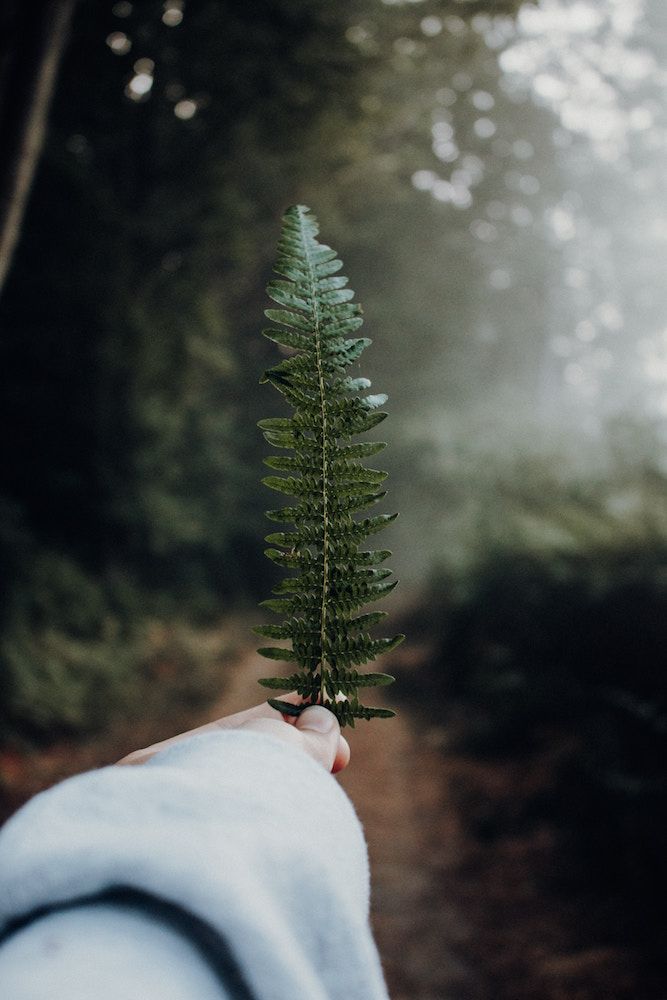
(315, 731)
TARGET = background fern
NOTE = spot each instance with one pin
(329, 480)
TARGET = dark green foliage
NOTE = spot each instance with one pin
(562, 657)
(334, 579)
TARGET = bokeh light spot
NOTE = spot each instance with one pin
(483, 230)
(173, 13)
(431, 26)
(483, 100)
(139, 86)
(119, 43)
(423, 180)
(484, 128)
(185, 109)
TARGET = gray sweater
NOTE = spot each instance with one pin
(229, 865)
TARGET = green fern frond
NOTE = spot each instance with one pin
(326, 475)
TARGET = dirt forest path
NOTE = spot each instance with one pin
(398, 788)
(396, 784)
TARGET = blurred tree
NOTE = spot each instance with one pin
(32, 39)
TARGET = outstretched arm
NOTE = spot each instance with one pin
(230, 855)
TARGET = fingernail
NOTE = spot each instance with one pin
(319, 720)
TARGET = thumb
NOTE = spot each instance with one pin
(320, 731)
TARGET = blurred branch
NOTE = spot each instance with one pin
(33, 38)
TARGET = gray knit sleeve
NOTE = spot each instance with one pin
(243, 833)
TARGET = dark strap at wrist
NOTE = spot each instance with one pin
(209, 943)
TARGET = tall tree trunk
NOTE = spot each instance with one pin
(32, 39)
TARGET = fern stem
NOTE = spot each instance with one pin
(325, 498)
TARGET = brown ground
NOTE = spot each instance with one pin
(456, 917)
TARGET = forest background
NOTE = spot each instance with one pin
(492, 174)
